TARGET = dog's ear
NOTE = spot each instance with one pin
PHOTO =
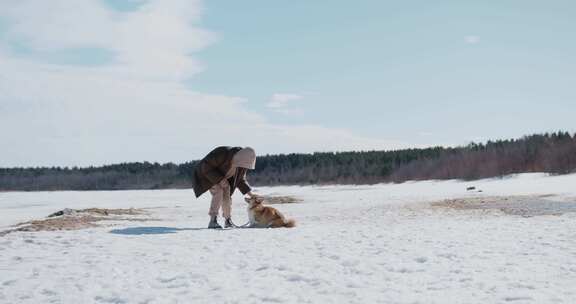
(259, 199)
(248, 200)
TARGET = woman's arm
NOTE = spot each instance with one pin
(242, 183)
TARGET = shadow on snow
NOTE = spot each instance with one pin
(152, 230)
(163, 230)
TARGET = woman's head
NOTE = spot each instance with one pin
(245, 158)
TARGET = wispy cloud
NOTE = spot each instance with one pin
(154, 41)
(283, 103)
(135, 106)
(472, 39)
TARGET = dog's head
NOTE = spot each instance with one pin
(254, 200)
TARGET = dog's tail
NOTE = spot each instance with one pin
(291, 223)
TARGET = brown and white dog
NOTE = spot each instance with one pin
(261, 216)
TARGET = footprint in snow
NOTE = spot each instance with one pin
(9, 282)
(421, 260)
(112, 300)
(262, 268)
(350, 263)
(513, 299)
(169, 280)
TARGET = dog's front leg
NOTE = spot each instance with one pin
(247, 225)
(250, 224)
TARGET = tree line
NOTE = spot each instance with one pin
(553, 153)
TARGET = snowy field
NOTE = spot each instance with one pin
(353, 244)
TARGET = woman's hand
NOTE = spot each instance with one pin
(252, 194)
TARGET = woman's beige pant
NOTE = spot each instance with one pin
(221, 198)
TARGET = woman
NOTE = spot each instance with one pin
(221, 172)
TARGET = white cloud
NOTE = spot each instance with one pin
(155, 41)
(59, 24)
(472, 39)
(283, 103)
(281, 100)
(137, 107)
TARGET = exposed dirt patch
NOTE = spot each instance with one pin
(98, 211)
(271, 200)
(72, 219)
(526, 206)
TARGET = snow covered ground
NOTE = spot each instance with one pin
(353, 244)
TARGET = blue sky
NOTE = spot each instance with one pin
(451, 70)
(168, 80)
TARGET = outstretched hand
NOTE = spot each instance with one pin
(252, 194)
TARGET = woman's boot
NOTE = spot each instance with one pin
(214, 223)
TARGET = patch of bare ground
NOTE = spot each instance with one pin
(72, 219)
(272, 200)
(526, 206)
